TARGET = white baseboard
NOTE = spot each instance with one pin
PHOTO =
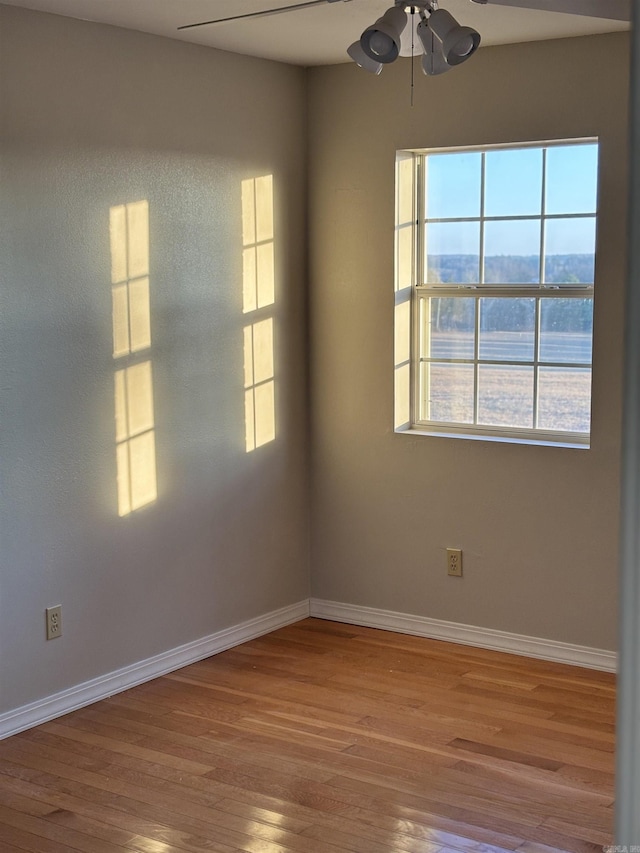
(107, 685)
(468, 635)
(50, 707)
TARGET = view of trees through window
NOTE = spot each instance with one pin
(506, 269)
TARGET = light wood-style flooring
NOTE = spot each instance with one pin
(325, 738)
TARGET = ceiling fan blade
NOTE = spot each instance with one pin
(615, 10)
(290, 8)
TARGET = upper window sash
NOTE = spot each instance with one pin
(485, 227)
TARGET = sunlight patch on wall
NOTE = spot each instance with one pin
(133, 380)
(257, 240)
(258, 299)
(259, 398)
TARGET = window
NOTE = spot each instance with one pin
(495, 260)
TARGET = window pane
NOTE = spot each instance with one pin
(566, 330)
(453, 185)
(572, 179)
(564, 399)
(453, 252)
(452, 328)
(507, 329)
(512, 252)
(570, 246)
(513, 182)
(404, 187)
(404, 257)
(402, 336)
(448, 392)
(505, 395)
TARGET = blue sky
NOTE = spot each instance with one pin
(513, 187)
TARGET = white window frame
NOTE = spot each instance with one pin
(421, 290)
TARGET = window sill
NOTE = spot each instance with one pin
(536, 441)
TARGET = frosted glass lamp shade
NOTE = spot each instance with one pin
(381, 41)
(458, 43)
(361, 59)
(433, 61)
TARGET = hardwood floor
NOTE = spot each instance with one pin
(325, 738)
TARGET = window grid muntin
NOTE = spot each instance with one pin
(476, 311)
(536, 359)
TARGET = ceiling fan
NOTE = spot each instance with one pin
(421, 27)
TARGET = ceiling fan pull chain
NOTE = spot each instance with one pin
(413, 53)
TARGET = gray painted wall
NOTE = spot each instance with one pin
(538, 525)
(94, 117)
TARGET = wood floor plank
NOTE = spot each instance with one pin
(27, 842)
(438, 698)
(506, 754)
(212, 827)
(31, 803)
(325, 738)
(531, 783)
(54, 834)
(141, 818)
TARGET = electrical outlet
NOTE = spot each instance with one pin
(454, 562)
(54, 622)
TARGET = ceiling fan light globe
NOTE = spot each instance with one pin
(361, 59)
(380, 44)
(461, 45)
(458, 43)
(464, 46)
(432, 65)
(381, 41)
(433, 61)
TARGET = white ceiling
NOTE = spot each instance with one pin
(317, 35)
